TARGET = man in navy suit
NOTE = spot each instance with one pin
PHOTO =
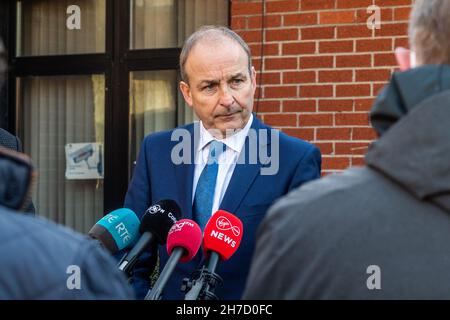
(252, 164)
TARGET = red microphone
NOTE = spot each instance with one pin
(183, 241)
(222, 237)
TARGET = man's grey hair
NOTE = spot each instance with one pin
(210, 33)
(429, 31)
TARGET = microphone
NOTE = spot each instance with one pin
(117, 230)
(155, 225)
(183, 242)
(222, 237)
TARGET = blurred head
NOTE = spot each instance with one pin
(218, 81)
(429, 32)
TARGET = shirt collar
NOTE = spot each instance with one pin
(234, 142)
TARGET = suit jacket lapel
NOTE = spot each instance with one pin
(185, 174)
(244, 173)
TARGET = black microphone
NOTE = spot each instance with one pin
(155, 225)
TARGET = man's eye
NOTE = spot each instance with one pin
(209, 87)
(237, 81)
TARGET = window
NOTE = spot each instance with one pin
(103, 72)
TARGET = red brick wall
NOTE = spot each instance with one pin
(322, 67)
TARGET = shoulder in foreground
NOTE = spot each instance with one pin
(315, 199)
(31, 227)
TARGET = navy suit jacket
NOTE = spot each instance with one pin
(248, 196)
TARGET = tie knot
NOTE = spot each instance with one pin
(216, 149)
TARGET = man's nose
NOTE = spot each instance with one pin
(226, 97)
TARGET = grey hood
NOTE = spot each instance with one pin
(412, 115)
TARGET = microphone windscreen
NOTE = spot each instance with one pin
(159, 218)
(185, 234)
(223, 234)
(117, 230)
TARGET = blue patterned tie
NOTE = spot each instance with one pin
(204, 193)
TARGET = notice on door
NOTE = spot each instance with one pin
(84, 160)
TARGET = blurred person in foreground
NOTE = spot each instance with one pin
(381, 231)
(41, 260)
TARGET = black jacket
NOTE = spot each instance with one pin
(41, 260)
(376, 232)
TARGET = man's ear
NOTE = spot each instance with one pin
(186, 91)
(403, 57)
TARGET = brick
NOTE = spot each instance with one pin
(280, 120)
(280, 63)
(282, 34)
(315, 120)
(363, 104)
(250, 36)
(325, 147)
(245, 8)
(337, 17)
(317, 33)
(300, 19)
(357, 161)
(317, 4)
(373, 75)
(385, 3)
(351, 148)
(270, 49)
(270, 21)
(238, 23)
(336, 76)
(280, 92)
(401, 42)
(305, 134)
(268, 106)
(352, 90)
(337, 105)
(282, 6)
(373, 45)
(299, 77)
(334, 133)
(377, 87)
(335, 163)
(308, 105)
(269, 78)
(354, 32)
(363, 134)
(362, 16)
(352, 119)
(335, 46)
(299, 48)
(384, 59)
(392, 29)
(402, 14)
(314, 91)
(316, 62)
(345, 4)
(353, 61)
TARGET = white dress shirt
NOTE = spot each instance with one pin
(227, 160)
